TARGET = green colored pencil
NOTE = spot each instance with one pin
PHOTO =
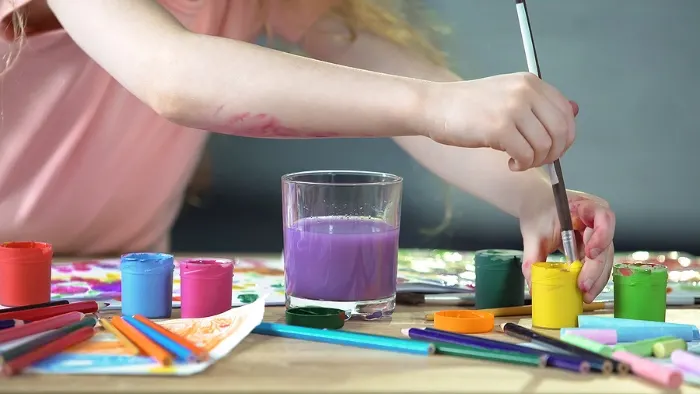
(490, 355)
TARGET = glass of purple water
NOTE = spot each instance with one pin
(341, 240)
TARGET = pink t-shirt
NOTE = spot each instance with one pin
(84, 164)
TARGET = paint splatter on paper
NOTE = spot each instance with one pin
(103, 355)
(101, 280)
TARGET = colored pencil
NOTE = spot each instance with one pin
(5, 324)
(526, 334)
(490, 354)
(50, 349)
(554, 360)
(32, 315)
(346, 338)
(40, 326)
(27, 307)
(29, 346)
(180, 352)
(145, 345)
(526, 310)
(201, 353)
(128, 345)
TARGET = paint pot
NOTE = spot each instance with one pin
(206, 287)
(25, 273)
(147, 284)
(499, 278)
(556, 298)
(640, 291)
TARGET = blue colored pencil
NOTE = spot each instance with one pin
(180, 352)
(347, 338)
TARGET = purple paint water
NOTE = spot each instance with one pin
(341, 259)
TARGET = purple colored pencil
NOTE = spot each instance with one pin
(554, 360)
(10, 323)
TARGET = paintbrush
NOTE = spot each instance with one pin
(556, 177)
(455, 299)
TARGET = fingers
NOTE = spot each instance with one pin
(538, 137)
(534, 251)
(520, 151)
(595, 274)
(562, 122)
(597, 238)
(602, 222)
(574, 107)
(556, 128)
(546, 122)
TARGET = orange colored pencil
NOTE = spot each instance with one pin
(128, 345)
(145, 345)
(202, 354)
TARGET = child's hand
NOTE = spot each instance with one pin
(594, 225)
(516, 113)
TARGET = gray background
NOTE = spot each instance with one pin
(630, 64)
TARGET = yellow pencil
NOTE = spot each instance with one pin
(526, 310)
(128, 345)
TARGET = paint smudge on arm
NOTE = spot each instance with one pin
(267, 126)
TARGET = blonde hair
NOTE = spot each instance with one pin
(17, 23)
(390, 22)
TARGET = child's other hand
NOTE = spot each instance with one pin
(594, 226)
(516, 113)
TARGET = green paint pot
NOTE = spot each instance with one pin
(499, 278)
(640, 291)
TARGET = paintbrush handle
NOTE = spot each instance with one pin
(554, 170)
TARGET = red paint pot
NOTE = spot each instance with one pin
(25, 273)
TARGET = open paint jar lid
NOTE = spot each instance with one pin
(316, 317)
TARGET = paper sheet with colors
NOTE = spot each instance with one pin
(104, 355)
(101, 280)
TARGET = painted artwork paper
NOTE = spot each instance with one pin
(101, 280)
(103, 355)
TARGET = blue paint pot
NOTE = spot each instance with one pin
(147, 284)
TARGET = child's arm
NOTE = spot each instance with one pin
(234, 87)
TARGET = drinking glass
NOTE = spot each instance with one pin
(341, 240)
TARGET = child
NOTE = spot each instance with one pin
(102, 103)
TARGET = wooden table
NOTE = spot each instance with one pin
(267, 364)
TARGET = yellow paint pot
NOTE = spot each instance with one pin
(556, 298)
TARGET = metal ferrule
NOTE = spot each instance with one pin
(568, 241)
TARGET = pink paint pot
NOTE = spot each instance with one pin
(205, 287)
(25, 273)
